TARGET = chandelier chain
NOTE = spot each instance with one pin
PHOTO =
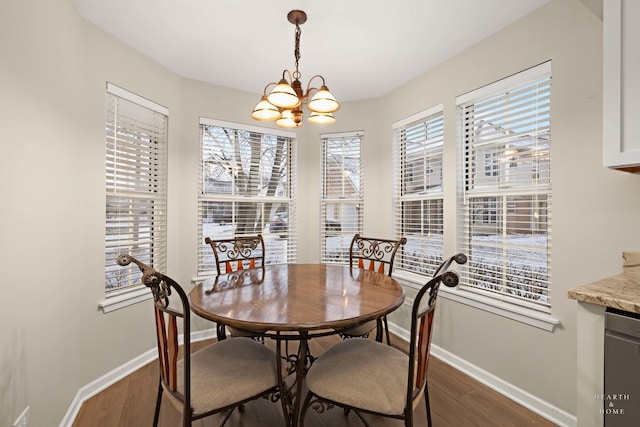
(296, 52)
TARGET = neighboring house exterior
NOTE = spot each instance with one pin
(516, 157)
(343, 179)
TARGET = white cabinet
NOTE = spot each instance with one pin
(621, 120)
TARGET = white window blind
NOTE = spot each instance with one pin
(418, 191)
(136, 185)
(505, 212)
(342, 194)
(247, 187)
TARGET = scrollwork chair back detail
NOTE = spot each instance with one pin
(150, 278)
(238, 253)
(367, 252)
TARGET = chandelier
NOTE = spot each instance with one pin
(284, 102)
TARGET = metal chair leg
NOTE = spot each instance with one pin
(156, 415)
(427, 404)
(386, 330)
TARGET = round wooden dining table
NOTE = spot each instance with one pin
(296, 301)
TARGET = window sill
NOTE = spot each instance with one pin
(501, 308)
(125, 299)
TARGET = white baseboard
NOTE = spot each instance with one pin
(529, 401)
(117, 374)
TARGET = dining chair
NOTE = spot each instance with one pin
(367, 376)
(376, 255)
(217, 378)
(236, 254)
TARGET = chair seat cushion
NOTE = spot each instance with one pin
(362, 373)
(228, 372)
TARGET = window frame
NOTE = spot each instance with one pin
(428, 155)
(273, 246)
(532, 313)
(120, 184)
(343, 233)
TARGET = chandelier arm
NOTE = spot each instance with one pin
(264, 92)
(309, 88)
(284, 74)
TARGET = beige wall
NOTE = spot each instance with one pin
(53, 339)
(593, 210)
(53, 69)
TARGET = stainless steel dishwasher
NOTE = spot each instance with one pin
(621, 399)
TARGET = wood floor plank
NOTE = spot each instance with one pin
(137, 408)
(450, 381)
(444, 406)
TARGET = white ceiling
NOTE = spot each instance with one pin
(363, 48)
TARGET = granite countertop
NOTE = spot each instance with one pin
(621, 291)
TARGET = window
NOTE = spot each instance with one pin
(491, 164)
(505, 204)
(342, 195)
(418, 190)
(247, 182)
(136, 186)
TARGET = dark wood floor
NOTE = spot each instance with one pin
(456, 401)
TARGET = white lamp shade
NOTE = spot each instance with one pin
(323, 102)
(321, 118)
(264, 110)
(283, 96)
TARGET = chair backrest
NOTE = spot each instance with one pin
(167, 319)
(238, 253)
(422, 316)
(374, 254)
